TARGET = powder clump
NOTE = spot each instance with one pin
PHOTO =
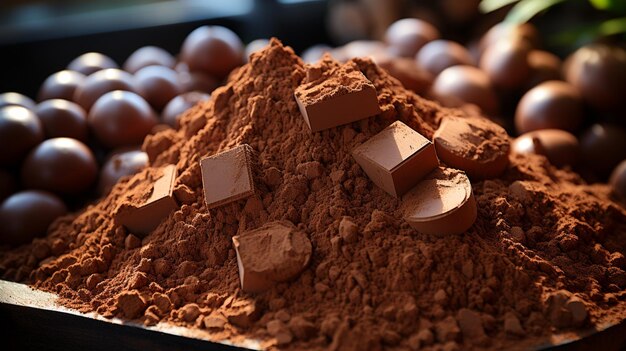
(370, 285)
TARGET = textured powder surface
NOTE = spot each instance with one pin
(329, 79)
(545, 255)
(477, 139)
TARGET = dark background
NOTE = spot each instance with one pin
(37, 40)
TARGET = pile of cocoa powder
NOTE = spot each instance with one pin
(545, 255)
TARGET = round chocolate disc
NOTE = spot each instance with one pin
(16, 99)
(27, 215)
(62, 118)
(549, 105)
(148, 56)
(91, 62)
(214, 50)
(158, 85)
(103, 82)
(121, 118)
(20, 131)
(60, 165)
(61, 85)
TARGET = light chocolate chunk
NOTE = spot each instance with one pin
(227, 176)
(396, 158)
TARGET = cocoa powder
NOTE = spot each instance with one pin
(545, 255)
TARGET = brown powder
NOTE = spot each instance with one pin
(545, 255)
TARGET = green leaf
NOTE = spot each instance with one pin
(527, 9)
(601, 4)
(487, 6)
(612, 26)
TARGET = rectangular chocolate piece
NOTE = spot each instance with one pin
(144, 219)
(397, 158)
(227, 176)
(338, 96)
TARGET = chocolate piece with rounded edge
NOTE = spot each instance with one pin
(61, 85)
(214, 50)
(338, 96)
(406, 37)
(16, 99)
(274, 253)
(475, 145)
(91, 62)
(62, 118)
(227, 176)
(121, 164)
(121, 118)
(60, 165)
(396, 158)
(158, 85)
(141, 220)
(549, 105)
(28, 214)
(441, 204)
(20, 131)
(457, 85)
(559, 146)
(148, 56)
(102, 82)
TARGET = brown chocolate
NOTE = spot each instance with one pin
(618, 180)
(465, 84)
(20, 131)
(91, 62)
(227, 176)
(598, 71)
(544, 66)
(396, 158)
(61, 85)
(121, 118)
(121, 164)
(143, 218)
(559, 146)
(475, 145)
(549, 105)
(62, 118)
(214, 50)
(158, 85)
(506, 63)
(60, 165)
(441, 54)
(16, 99)
(504, 31)
(603, 146)
(408, 72)
(337, 96)
(441, 204)
(254, 46)
(102, 82)
(197, 81)
(276, 252)
(8, 185)
(28, 214)
(180, 104)
(148, 56)
(406, 37)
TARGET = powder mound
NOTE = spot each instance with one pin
(372, 284)
(328, 79)
(482, 139)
